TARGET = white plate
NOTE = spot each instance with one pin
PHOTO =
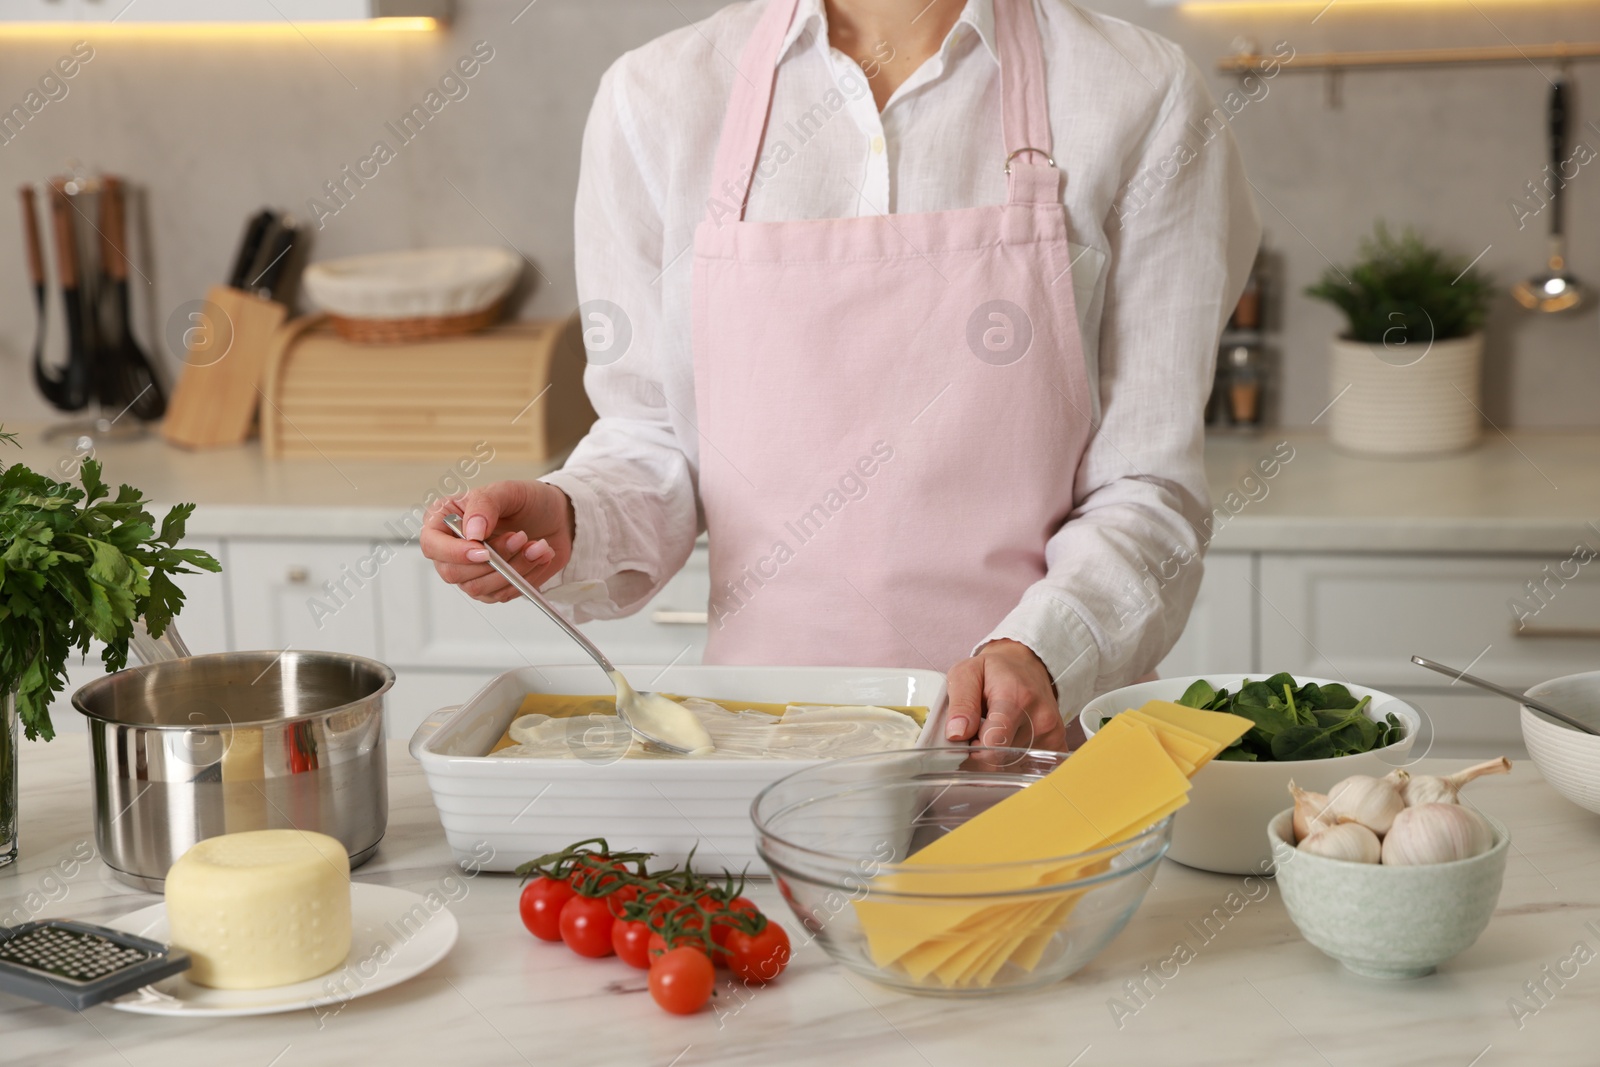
(395, 935)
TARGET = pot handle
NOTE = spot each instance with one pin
(429, 727)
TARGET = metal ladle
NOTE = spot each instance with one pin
(1520, 698)
(653, 718)
(1554, 290)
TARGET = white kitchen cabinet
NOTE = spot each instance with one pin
(1220, 635)
(1364, 616)
(1462, 721)
(444, 645)
(1357, 616)
(433, 625)
(321, 595)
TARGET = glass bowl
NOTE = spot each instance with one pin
(836, 837)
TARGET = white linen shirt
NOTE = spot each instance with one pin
(1165, 235)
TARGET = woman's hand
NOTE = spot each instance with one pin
(1003, 696)
(529, 523)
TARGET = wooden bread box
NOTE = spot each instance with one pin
(518, 386)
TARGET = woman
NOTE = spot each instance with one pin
(913, 307)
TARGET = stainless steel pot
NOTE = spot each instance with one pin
(187, 749)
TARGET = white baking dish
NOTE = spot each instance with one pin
(499, 811)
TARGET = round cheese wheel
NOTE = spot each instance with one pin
(262, 908)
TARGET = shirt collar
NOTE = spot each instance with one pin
(810, 16)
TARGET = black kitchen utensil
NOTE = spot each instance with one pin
(276, 254)
(77, 379)
(128, 379)
(255, 233)
(74, 965)
(1554, 289)
(49, 382)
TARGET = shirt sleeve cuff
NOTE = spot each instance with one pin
(587, 567)
(1053, 630)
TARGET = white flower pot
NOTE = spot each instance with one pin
(1405, 400)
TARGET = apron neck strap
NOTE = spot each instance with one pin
(1025, 118)
(744, 126)
(1032, 177)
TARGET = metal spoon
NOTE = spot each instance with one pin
(1554, 289)
(652, 717)
(1520, 698)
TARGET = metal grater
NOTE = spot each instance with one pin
(73, 965)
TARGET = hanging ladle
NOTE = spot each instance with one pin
(1520, 698)
(1554, 289)
(653, 718)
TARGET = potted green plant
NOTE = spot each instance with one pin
(1404, 377)
(76, 565)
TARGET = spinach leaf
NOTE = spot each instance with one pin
(1199, 695)
(1335, 696)
(1295, 722)
(1278, 682)
(1303, 742)
(1270, 721)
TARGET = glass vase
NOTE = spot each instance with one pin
(8, 778)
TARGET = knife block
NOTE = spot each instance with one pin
(518, 387)
(226, 348)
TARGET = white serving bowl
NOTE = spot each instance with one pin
(1388, 922)
(499, 811)
(1569, 759)
(1220, 828)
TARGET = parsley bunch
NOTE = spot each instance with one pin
(77, 566)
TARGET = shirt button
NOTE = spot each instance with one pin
(877, 146)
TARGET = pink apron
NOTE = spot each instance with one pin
(891, 408)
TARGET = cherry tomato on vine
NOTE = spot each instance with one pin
(620, 897)
(541, 903)
(631, 941)
(758, 957)
(598, 875)
(721, 928)
(586, 926)
(682, 980)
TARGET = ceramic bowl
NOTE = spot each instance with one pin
(1388, 922)
(1220, 828)
(1569, 759)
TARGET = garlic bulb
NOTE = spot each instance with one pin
(1436, 833)
(1308, 811)
(1445, 789)
(1372, 802)
(1348, 841)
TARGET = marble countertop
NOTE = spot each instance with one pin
(1254, 993)
(1529, 492)
(241, 493)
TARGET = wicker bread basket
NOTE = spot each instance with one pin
(393, 297)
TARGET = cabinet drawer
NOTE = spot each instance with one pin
(431, 624)
(419, 693)
(1363, 617)
(1220, 636)
(1465, 723)
(321, 595)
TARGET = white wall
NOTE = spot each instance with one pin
(214, 127)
